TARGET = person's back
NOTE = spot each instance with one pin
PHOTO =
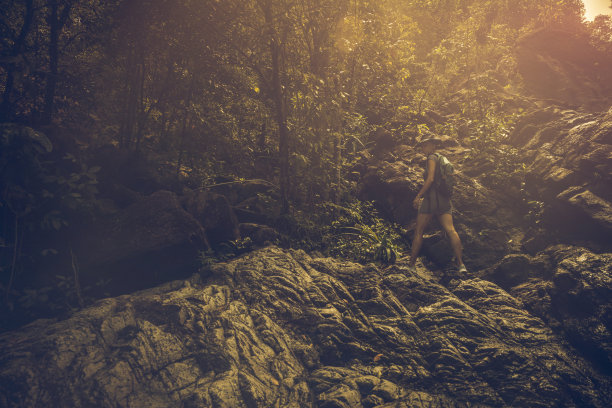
(436, 203)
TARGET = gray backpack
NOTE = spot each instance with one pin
(444, 181)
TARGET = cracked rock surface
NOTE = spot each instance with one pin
(279, 328)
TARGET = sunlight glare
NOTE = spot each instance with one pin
(596, 7)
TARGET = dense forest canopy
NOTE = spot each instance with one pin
(206, 82)
(285, 91)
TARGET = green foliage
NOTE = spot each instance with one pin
(57, 298)
(38, 194)
(196, 82)
(23, 170)
(601, 33)
(232, 249)
(37, 187)
(227, 250)
(358, 232)
(352, 231)
(290, 92)
(533, 209)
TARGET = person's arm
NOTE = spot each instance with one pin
(431, 172)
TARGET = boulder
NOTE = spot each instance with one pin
(515, 269)
(575, 298)
(437, 249)
(595, 212)
(150, 241)
(215, 214)
(255, 209)
(259, 234)
(571, 174)
(129, 169)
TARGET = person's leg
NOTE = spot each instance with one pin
(446, 220)
(417, 241)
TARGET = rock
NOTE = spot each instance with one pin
(571, 174)
(121, 195)
(147, 243)
(564, 66)
(576, 299)
(255, 210)
(259, 234)
(384, 141)
(596, 212)
(160, 347)
(603, 135)
(387, 390)
(536, 240)
(215, 214)
(129, 169)
(391, 185)
(515, 269)
(281, 327)
(372, 401)
(437, 249)
(340, 396)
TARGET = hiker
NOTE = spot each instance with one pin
(434, 203)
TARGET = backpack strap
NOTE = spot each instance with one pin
(437, 174)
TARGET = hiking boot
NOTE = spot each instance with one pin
(462, 269)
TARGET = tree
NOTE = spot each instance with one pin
(14, 59)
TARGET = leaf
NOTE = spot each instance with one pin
(42, 140)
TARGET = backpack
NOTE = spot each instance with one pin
(444, 181)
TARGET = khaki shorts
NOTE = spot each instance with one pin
(435, 203)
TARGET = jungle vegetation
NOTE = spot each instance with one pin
(287, 91)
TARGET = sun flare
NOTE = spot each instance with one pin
(597, 7)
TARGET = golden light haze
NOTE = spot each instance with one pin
(596, 7)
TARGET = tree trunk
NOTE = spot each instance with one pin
(142, 113)
(283, 133)
(338, 164)
(6, 109)
(132, 70)
(56, 22)
(186, 125)
(280, 108)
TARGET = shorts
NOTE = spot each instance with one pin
(435, 203)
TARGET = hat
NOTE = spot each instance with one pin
(429, 138)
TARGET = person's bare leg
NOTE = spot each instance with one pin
(417, 241)
(446, 220)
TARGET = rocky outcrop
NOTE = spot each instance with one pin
(281, 328)
(565, 67)
(215, 214)
(569, 288)
(571, 171)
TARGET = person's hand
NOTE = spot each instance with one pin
(416, 202)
